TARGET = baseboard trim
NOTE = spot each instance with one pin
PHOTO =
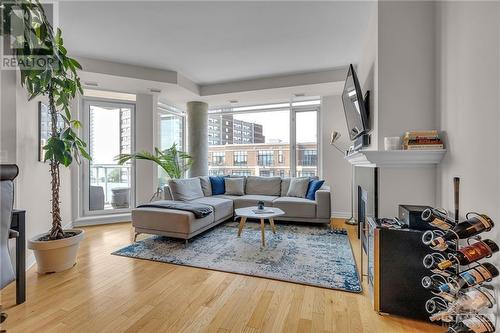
(102, 219)
(341, 215)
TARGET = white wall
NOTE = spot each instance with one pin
(398, 66)
(8, 116)
(367, 70)
(406, 67)
(468, 79)
(336, 170)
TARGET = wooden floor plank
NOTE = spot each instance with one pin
(106, 293)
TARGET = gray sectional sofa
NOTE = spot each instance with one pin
(271, 190)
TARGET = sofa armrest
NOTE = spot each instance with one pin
(323, 209)
(167, 195)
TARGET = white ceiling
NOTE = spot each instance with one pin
(211, 42)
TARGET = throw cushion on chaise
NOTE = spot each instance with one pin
(185, 189)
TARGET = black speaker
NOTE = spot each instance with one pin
(411, 215)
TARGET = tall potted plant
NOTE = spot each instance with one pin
(47, 70)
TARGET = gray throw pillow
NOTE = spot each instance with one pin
(235, 186)
(285, 184)
(206, 186)
(298, 187)
(185, 189)
(263, 185)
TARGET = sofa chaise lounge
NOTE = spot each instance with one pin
(271, 190)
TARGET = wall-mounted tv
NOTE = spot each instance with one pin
(355, 111)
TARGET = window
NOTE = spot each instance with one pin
(218, 158)
(308, 157)
(108, 186)
(265, 158)
(241, 173)
(307, 143)
(170, 131)
(216, 172)
(257, 138)
(265, 173)
(240, 158)
(306, 174)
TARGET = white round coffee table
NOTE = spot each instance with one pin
(248, 213)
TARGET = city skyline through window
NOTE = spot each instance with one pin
(258, 142)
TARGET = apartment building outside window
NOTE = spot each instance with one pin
(255, 140)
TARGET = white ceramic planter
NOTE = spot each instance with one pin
(56, 255)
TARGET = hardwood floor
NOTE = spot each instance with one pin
(106, 293)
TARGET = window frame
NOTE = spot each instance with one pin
(293, 107)
(167, 109)
(294, 159)
(84, 168)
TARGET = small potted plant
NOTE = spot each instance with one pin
(54, 76)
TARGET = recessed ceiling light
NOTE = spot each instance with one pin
(92, 84)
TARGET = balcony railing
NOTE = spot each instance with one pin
(110, 176)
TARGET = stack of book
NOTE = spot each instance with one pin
(422, 140)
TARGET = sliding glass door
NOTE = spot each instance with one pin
(108, 186)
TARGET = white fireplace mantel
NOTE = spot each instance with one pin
(395, 158)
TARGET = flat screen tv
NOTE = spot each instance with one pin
(356, 114)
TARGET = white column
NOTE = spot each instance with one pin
(197, 137)
(145, 171)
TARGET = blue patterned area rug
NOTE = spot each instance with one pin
(309, 255)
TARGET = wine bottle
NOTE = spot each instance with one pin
(470, 278)
(433, 282)
(471, 227)
(441, 316)
(476, 299)
(432, 261)
(437, 307)
(474, 324)
(437, 218)
(470, 254)
(436, 304)
(429, 236)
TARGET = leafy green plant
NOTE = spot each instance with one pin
(175, 162)
(47, 70)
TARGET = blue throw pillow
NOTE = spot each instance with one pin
(218, 185)
(314, 185)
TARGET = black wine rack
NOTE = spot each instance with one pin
(442, 307)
